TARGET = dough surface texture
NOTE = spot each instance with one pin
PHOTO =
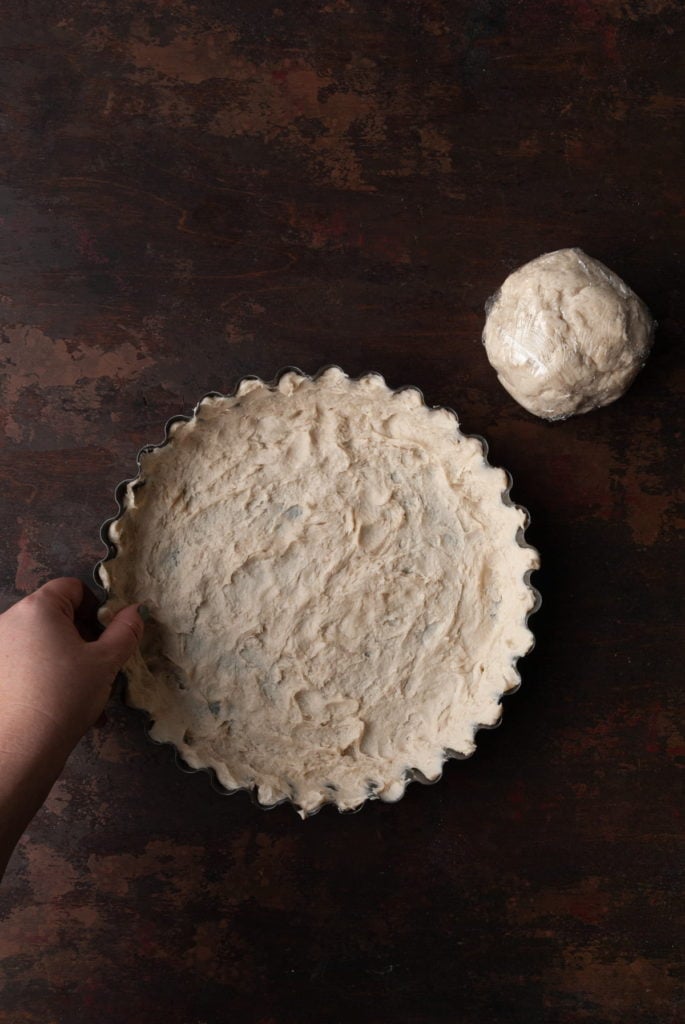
(566, 335)
(338, 587)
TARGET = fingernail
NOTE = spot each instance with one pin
(144, 612)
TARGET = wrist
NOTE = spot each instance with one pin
(30, 736)
(32, 756)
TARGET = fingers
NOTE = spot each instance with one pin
(66, 591)
(122, 636)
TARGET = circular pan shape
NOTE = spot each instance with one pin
(339, 586)
(566, 335)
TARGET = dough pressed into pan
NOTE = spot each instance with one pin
(338, 583)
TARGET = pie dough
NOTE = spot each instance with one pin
(566, 335)
(338, 585)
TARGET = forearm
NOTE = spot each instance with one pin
(32, 758)
(54, 682)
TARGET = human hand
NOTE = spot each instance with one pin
(55, 677)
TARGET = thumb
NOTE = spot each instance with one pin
(122, 636)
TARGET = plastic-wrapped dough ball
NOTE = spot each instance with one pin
(566, 335)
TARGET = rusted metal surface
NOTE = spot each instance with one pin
(191, 192)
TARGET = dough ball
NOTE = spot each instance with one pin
(566, 335)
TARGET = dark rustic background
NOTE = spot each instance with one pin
(193, 191)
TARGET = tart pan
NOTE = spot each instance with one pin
(410, 774)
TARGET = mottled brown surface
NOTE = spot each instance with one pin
(193, 191)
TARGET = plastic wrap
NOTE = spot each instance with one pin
(566, 335)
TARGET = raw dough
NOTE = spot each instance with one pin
(339, 592)
(566, 335)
